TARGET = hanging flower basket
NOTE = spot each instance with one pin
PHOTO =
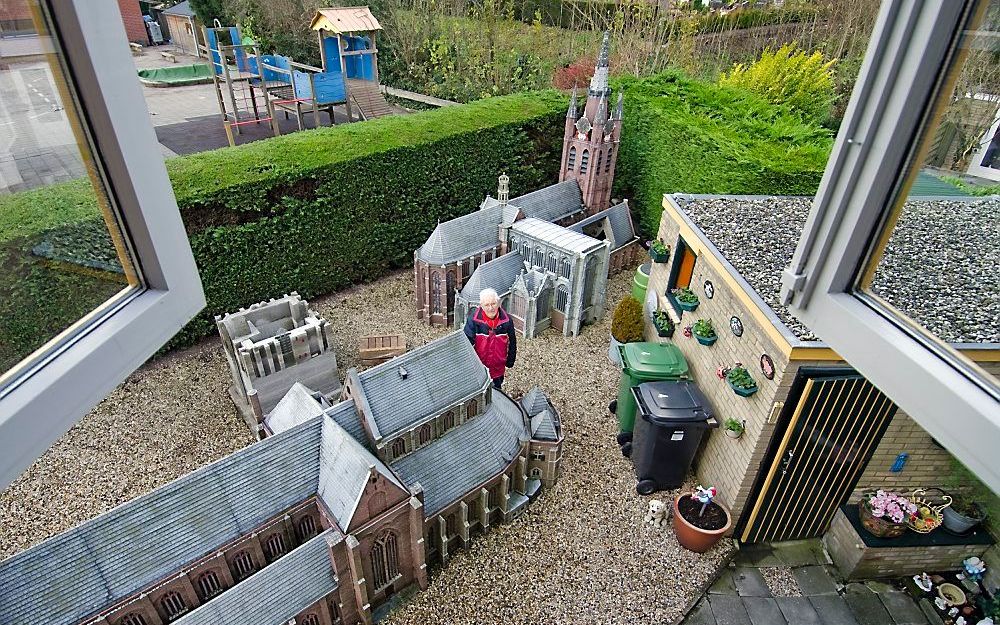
(664, 324)
(659, 251)
(740, 381)
(686, 299)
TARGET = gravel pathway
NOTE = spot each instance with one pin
(581, 553)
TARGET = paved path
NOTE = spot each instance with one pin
(793, 583)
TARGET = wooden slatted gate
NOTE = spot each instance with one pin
(831, 424)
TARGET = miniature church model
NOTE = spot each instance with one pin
(547, 253)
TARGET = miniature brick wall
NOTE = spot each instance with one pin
(856, 561)
(730, 465)
(135, 28)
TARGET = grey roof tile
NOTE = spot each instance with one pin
(70, 576)
(543, 426)
(345, 466)
(276, 593)
(437, 374)
(297, 406)
(552, 202)
(620, 219)
(346, 416)
(461, 237)
(534, 401)
(470, 454)
(498, 274)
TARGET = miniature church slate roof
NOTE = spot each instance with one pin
(346, 416)
(622, 229)
(543, 426)
(462, 236)
(471, 454)
(440, 373)
(70, 576)
(534, 401)
(557, 236)
(497, 274)
(345, 466)
(553, 202)
(278, 592)
(296, 407)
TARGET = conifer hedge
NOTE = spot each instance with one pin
(684, 136)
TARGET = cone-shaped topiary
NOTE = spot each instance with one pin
(626, 323)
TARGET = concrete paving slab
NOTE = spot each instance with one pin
(798, 611)
(757, 555)
(729, 610)
(814, 580)
(763, 611)
(800, 552)
(700, 615)
(724, 585)
(930, 612)
(833, 610)
(866, 606)
(880, 588)
(902, 608)
(750, 583)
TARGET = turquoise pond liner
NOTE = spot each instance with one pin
(178, 76)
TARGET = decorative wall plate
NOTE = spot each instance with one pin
(736, 325)
(709, 289)
(767, 366)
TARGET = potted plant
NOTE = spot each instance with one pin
(699, 522)
(884, 513)
(962, 515)
(663, 323)
(659, 251)
(704, 331)
(626, 327)
(686, 299)
(972, 501)
(733, 427)
(740, 381)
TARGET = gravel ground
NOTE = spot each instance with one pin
(581, 553)
(781, 581)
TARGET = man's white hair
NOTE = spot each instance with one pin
(489, 294)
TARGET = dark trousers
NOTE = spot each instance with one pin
(497, 382)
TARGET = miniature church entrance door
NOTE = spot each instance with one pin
(827, 432)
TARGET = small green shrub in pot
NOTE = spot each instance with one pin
(626, 322)
(704, 328)
(663, 323)
(740, 381)
(686, 298)
(659, 251)
(734, 427)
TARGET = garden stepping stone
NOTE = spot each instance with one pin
(760, 555)
(930, 612)
(833, 610)
(814, 580)
(729, 610)
(750, 583)
(865, 604)
(763, 611)
(799, 552)
(902, 609)
(701, 615)
(798, 611)
(724, 585)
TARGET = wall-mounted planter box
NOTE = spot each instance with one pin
(707, 341)
(688, 306)
(659, 257)
(743, 392)
(665, 333)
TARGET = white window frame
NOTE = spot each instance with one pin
(903, 71)
(59, 384)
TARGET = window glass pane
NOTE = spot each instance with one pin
(62, 252)
(934, 269)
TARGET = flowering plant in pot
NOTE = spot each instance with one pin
(700, 522)
(663, 323)
(686, 299)
(740, 381)
(659, 251)
(884, 513)
(704, 331)
(626, 327)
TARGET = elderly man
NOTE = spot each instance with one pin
(491, 332)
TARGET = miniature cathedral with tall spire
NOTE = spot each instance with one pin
(590, 141)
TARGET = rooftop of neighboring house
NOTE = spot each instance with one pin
(939, 267)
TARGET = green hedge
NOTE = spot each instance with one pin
(684, 136)
(318, 210)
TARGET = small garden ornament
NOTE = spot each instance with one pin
(657, 513)
(975, 568)
(923, 582)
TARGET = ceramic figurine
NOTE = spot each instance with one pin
(923, 582)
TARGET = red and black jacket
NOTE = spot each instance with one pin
(496, 347)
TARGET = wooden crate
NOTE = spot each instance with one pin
(380, 348)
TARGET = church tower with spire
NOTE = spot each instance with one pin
(590, 140)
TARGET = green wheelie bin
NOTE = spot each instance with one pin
(640, 281)
(643, 362)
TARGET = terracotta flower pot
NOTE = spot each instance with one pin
(695, 538)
